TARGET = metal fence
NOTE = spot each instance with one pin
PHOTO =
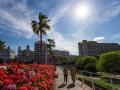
(92, 76)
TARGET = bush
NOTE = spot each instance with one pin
(86, 62)
(1, 60)
(91, 67)
(109, 62)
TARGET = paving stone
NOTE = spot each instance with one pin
(60, 86)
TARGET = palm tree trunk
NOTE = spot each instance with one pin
(41, 47)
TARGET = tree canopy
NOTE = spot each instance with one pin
(109, 62)
(86, 61)
(2, 45)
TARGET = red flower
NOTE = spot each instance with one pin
(39, 84)
(22, 88)
(42, 76)
(34, 88)
(7, 81)
(33, 79)
(1, 83)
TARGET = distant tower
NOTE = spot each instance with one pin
(19, 49)
(28, 50)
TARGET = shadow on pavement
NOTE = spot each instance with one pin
(62, 85)
(70, 86)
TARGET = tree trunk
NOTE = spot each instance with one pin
(41, 47)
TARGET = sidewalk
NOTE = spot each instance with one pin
(59, 82)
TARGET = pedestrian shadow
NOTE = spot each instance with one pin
(70, 86)
(62, 85)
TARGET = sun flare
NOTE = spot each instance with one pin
(83, 11)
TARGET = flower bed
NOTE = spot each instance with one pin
(27, 77)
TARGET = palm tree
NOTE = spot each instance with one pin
(40, 27)
(2, 45)
(51, 45)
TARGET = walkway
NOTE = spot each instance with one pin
(59, 83)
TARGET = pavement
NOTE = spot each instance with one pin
(60, 86)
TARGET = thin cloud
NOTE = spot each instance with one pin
(21, 24)
(17, 25)
(109, 12)
(99, 39)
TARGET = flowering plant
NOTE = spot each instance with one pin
(27, 77)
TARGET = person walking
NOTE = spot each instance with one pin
(65, 72)
(73, 74)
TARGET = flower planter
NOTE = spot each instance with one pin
(27, 77)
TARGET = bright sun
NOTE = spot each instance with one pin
(83, 11)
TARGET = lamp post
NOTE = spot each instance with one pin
(46, 54)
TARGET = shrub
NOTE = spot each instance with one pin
(109, 62)
(86, 62)
(91, 67)
(1, 60)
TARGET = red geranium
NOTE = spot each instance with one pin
(1, 83)
(41, 75)
(7, 81)
(22, 88)
(39, 84)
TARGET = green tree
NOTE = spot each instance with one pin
(79, 63)
(40, 27)
(51, 45)
(86, 62)
(64, 60)
(1, 60)
(2, 45)
(109, 62)
(91, 67)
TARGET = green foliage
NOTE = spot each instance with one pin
(1, 60)
(2, 45)
(33, 84)
(64, 60)
(101, 83)
(40, 28)
(50, 46)
(91, 67)
(109, 62)
(79, 63)
(86, 63)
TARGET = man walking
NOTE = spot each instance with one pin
(65, 72)
(73, 74)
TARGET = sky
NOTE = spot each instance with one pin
(68, 24)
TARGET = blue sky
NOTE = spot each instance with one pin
(102, 25)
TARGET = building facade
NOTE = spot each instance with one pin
(93, 48)
(25, 55)
(37, 55)
(59, 54)
(47, 58)
(7, 55)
